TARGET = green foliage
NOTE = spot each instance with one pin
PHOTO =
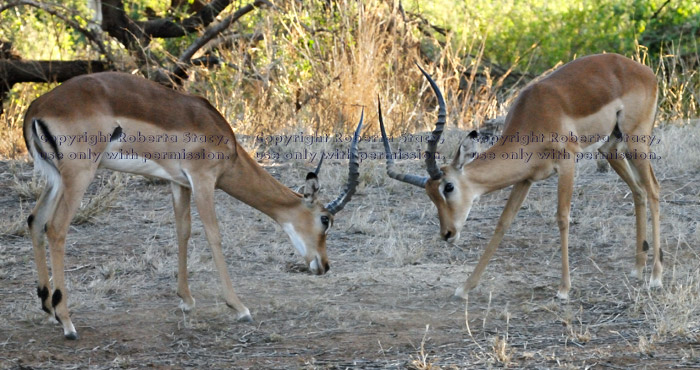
(677, 23)
(38, 35)
(311, 65)
(563, 29)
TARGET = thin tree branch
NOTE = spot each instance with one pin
(656, 13)
(167, 28)
(9, 5)
(209, 34)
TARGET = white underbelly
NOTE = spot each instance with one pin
(140, 166)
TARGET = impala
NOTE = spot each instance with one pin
(604, 96)
(127, 123)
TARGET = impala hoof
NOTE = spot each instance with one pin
(564, 296)
(637, 273)
(244, 316)
(460, 293)
(71, 336)
(655, 283)
(187, 307)
(69, 331)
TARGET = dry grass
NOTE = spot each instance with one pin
(679, 98)
(28, 187)
(386, 284)
(100, 202)
(11, 138)
(313, 75)
(390, 277)
(501, 352)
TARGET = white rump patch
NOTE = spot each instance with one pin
(44, 168)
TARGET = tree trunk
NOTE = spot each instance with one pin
(15, 71)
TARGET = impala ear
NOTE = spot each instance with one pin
(310, 188)
(468, 148)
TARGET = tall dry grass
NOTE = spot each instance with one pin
(315, 74)
(11, 139)
(312, 66)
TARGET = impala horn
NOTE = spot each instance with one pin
(419, 181)
(432, 167)
(353, 173)
(320, 162)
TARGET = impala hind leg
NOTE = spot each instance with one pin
(629, 175)
(651, 185)
(204, 199)
(183, 225)
(565, 188)
(74, 185)
(36, 222)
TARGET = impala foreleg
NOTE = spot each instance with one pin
(517, 196)
(183, 225)
(204, 199)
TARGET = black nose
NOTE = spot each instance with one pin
(448, 235)
(327, 266)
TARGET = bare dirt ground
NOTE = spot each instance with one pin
(386, 302)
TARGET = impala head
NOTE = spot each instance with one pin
(452, 194)
(308, 228)
(446, 186)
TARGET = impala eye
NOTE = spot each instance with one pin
(324, 221)
(448, 188)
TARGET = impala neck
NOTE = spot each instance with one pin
(246, 181)
(487, 175)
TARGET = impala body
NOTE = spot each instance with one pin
(604, 96)
(126, 123)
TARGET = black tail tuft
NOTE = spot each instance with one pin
(616, 131)
(47, 137)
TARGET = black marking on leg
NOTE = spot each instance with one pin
(616, 131)
(30, 221)
(56, 298)
(43, 294)
(46, 228)
(57, 318)
(645, 246)
(661, 255)
(116, 134)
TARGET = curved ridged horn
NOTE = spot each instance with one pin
(433, 169)
(411, 179)
(320, 162)
(353, 173)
